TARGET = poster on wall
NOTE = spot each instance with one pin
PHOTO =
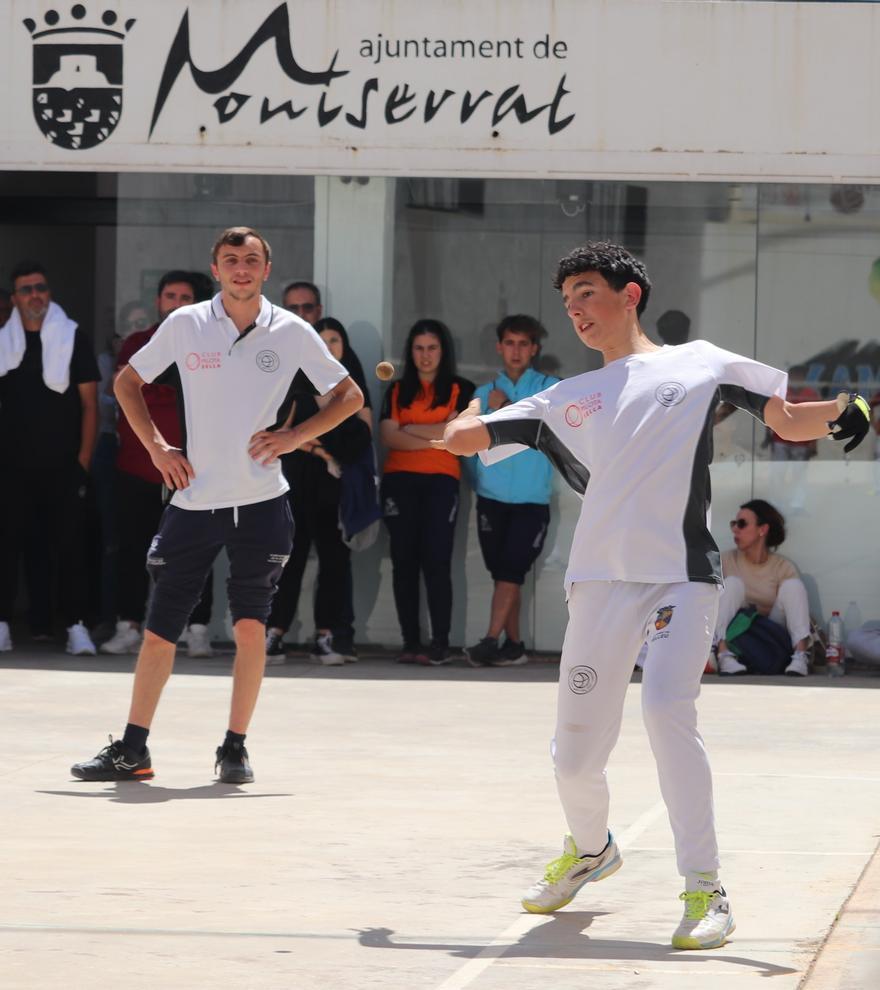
(554, 87)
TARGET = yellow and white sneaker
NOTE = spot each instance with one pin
(566, 875)
(707, 920)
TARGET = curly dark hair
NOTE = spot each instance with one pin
(410, 384)
(614, 263)
(768, 516)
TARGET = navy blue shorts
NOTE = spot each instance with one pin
(257, 537)
(511, 536)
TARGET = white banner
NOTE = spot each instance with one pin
(677, 89)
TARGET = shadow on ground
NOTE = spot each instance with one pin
(564, 936)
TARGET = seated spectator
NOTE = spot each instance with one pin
(755, 575)
(863, 643)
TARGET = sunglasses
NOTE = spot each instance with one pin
(305, 307)
(26, 290)
(738, 523)
(138, 323)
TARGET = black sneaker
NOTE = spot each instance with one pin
(275, 651)
(231, 765)
(435, 656)
(512, 654)
(485, 652)
(115, 762)
(324, 652)
(346, 649)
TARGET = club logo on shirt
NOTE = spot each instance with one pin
(670, 393)
(582, 679)
(207, 359)
(268, 361)
(582, 409)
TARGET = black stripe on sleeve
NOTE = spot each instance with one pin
(703, 556)
(742, 398)
(534, 433)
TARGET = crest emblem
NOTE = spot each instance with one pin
(670, 393)
(664, 616)
(268, 361)
(77, 77)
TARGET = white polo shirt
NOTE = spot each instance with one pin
(635, 439)
(232, 385)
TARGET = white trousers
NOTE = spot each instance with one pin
(608, 623)
(791, 608)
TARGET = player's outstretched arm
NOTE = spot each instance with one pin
(848, 417)
(465, 435)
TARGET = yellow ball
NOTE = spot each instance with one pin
(385, 370)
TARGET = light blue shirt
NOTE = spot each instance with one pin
(527, 476)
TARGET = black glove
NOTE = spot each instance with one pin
(854, 420)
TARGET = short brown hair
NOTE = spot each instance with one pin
(521, 323)
(236, 236)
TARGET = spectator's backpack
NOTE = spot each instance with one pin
(761, 644)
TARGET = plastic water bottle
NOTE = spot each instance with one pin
(834, 652)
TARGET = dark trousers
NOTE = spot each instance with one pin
(419, 511)
(316, 521)
(45, 509)
(138, 511)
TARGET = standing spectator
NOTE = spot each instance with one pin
(140, 491)
(303, 299)
(513, 497)
(314, 474)
(754, 574)
(229, 491)
(133, 317)
(48, 427)
(420, 486)
(5, 307)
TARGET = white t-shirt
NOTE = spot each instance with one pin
(635, 439)
(231, 386)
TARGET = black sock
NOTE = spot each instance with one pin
(234, 741)
(135, 737)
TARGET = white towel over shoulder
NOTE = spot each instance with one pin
(57, 336)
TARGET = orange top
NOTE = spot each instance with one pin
(428, 461)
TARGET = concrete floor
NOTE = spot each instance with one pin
(397, 816)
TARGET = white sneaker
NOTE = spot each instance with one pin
(323, 652)
(198, 642)
(728, 665)
(79, 642)
(799, 666)
(707, 920)
(5, 638)
(565, 876)
(126, 639)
